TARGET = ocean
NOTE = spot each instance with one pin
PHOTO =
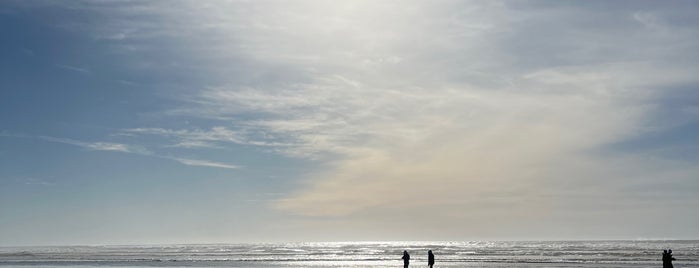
(361, 254)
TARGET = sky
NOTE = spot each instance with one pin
(158, 122)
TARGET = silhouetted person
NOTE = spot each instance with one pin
(667, 258)
(406, 259)
(430, 258)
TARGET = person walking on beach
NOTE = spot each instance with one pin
(667, 258)
(430, 258)
(406, 259)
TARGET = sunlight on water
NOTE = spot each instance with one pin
(362, 254)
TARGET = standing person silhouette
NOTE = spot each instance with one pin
(430, 258)
(406, 259)
(667, 259)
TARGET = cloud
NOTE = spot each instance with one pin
(128, 83)
(73, 68)
(187, 138)
(480, 112)
(118, 147)
(412, 107)
(204, 163)
(37, 182)
(194, 144)
(97, 146)
(647, 19)
(192, 138)
(200, 138)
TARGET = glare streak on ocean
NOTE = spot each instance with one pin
(360, 254)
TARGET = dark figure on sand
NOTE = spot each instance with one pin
(430, 258)
(667, 258)
(406, 259)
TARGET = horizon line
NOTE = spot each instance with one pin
(350, 242)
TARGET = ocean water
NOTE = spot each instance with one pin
(361, 254)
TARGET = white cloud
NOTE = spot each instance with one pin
(97, 146)
(198, 138)
(118, 147)
(105, 146)
(460, 104)
(194, 144)
(464, 123)
(476, 111)
(74, 68)
(204, 163)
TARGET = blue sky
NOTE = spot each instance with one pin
(231, 121)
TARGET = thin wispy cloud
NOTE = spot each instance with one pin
(215, 137)
(192, 138)
(37, 182)
(118, 147)
(204, 163)
(194, 144)
(128, 83)
(647, 19)
(97, 146)
(74, 68)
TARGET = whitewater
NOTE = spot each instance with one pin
(640, 253)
